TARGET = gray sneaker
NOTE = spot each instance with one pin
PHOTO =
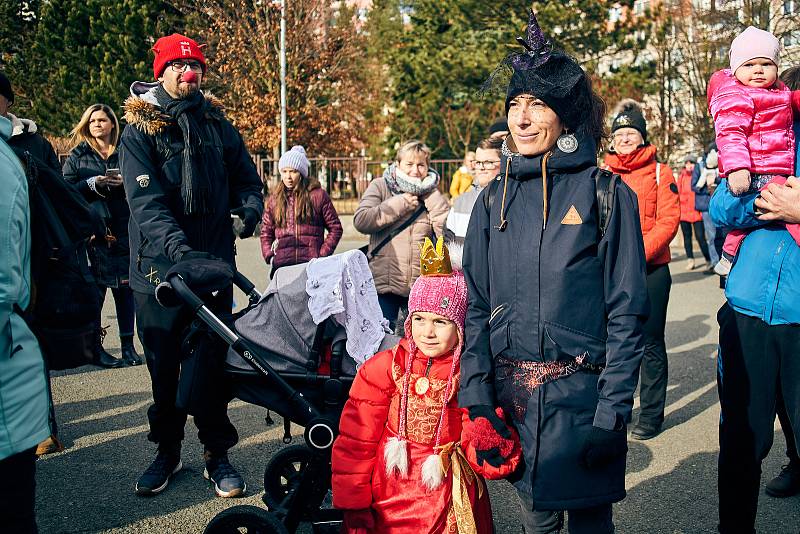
(227, 481)
(157, 476)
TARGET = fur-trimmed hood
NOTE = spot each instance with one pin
(143, 111)
(21, 126)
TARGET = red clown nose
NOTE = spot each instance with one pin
(189, 77)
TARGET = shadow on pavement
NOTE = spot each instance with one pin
(89, 487)
(665, 505)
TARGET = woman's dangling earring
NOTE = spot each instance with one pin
(567, 143)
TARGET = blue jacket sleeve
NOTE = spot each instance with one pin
(477, 367)
(625, 279)
(731, 211)
(149, 207)
(696, 176)
(245, 184)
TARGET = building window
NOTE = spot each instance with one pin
(640, 6)
(614, 14)
(788, 7)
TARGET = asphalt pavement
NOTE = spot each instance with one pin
(102, 416)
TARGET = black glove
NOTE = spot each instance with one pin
(603, 447)
(197, 255)
(249, 218)
(488, 413)
(491, 456)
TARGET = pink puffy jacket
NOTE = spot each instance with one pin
(754, 126)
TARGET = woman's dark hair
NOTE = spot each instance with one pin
(791, 77)
(302, 192)
(595, 124)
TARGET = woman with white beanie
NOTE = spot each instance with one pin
(297, 214)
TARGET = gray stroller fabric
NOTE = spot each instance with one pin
(281, 325)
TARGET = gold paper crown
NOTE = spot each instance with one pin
(434, 261)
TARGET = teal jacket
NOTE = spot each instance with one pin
(23, 386)
(765, 279)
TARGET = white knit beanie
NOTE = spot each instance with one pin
(296, 159)
(753, 43)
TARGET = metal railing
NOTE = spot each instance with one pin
(346, 178)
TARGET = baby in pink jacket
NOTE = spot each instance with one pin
(753, 115)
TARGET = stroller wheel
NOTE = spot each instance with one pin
(245, 519)
(283, 472)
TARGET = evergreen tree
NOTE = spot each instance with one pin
(438, 53)
(86, 52)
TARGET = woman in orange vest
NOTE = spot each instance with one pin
(633, 158)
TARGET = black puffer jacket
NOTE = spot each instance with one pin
(151, 151)
(551, 293)
(111, 256)
(25, 136)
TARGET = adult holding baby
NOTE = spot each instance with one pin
(760, 322)
(93, 168)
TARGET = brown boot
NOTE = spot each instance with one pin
(49, 446)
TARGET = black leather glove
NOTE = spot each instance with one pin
(603, 447)
(249, 218)
(488, 413)
(197, 255)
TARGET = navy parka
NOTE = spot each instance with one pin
(151, 151)
(551, 292)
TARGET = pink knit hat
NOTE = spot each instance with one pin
(753, 43)
(442, 295)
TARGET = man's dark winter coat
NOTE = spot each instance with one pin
(26, 137)
(551, 293)
(151, 149)
(110, 259)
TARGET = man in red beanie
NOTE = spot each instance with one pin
(186, 170)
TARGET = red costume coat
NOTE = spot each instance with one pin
(370, 417)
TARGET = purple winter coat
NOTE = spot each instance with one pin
(297, 243)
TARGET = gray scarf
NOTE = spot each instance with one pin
(399, 183)
(195, 184)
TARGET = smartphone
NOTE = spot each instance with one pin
(112, 172)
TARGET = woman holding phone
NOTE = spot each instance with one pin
(93, 167)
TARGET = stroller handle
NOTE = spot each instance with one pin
(247, 287)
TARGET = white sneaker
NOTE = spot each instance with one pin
(723, 267)
(690, 264)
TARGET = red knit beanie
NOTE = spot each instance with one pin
(176, 46)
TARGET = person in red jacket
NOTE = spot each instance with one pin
(401, 464)
(633, 158)
(690, 217)
(296, 216)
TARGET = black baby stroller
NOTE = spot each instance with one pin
(279, 359)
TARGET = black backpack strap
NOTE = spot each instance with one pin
(394, 233)
(491, 192)
(606, 185)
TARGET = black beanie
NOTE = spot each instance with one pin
(630, 115)
(500, 125)
(5, 88)
(560, 83)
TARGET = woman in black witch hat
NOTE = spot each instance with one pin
(557, 296)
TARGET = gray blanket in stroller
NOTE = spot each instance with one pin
(281, 325)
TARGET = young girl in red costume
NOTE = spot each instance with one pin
(405, 459)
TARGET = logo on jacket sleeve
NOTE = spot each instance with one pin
(572, 217)
(143, 180)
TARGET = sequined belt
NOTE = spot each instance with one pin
(517, 380)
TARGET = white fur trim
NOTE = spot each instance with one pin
(432, 472)
(395, 453)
